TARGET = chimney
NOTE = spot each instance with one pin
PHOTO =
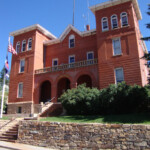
(88, 27)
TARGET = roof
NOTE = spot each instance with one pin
(116, 2)
(66, 32)
(33, 27)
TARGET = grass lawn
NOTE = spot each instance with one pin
(5, 118)
(117, 119)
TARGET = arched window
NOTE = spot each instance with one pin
(18, 47)
(114, 21)
(71, 41)
(30, 44)
(23, 45)
(104, 24)
(124, 19)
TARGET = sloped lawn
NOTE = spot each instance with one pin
(117, 119)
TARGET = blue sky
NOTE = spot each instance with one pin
(54, 15)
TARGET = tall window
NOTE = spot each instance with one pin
(30, 44)
(114, 21)
(116, 46)
(124, 19)
(20, 90)
(23, 45)
(119, 75)
(18, 47)
(71, 59)
(22, 64)
(90, 55)
(104, 24)
(71, 41)
(55, 62)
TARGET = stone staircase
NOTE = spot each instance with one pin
(9, 132)
(51, 109)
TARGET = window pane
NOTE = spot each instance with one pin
(23, 47)
(22, 64)
(72, 60)
(90, 55)
(30, 44)
(119, 75)
(20, 90)
(117, 47)
(71, 43)
(55, 62)
(105, 25)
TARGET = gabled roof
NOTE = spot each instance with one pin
(66, 32)
(116, 2)
(33, 27)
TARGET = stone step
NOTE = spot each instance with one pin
(9, 134)
(8, 140)
(7, 137)
(12, 132)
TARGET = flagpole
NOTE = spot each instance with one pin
(3, 92)
(3, 95)
(73, 12)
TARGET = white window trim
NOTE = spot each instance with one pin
(71, 56)
(18, 90)
(112, 21)
(54, 60)
(121, 19)
(102, 24)
(89, 53)
(113, 46)
(18, 43)
(20, 66)
(115, 73)
(24, 41)
(28, 43)
(70, 38)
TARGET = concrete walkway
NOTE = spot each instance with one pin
(18, 146)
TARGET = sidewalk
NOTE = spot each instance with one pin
(18, 146)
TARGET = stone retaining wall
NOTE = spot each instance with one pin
(85, 136)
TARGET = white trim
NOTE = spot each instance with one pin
(28, 44)
(115, 73)
(23, 42)
(116, 2)
(54, 60)
(66, 32)
(71, 56)
(18, 90)
(33, 27)
(102, 21)
(121, 18)
(113, 46)
(112, 21)
(89, 53)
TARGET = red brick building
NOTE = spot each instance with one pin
(46, 66)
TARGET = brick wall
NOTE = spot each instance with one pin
(84, 136)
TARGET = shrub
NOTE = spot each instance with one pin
(116, 99)
(80, 101)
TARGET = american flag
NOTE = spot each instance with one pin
(6, 67)
(11, 49)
